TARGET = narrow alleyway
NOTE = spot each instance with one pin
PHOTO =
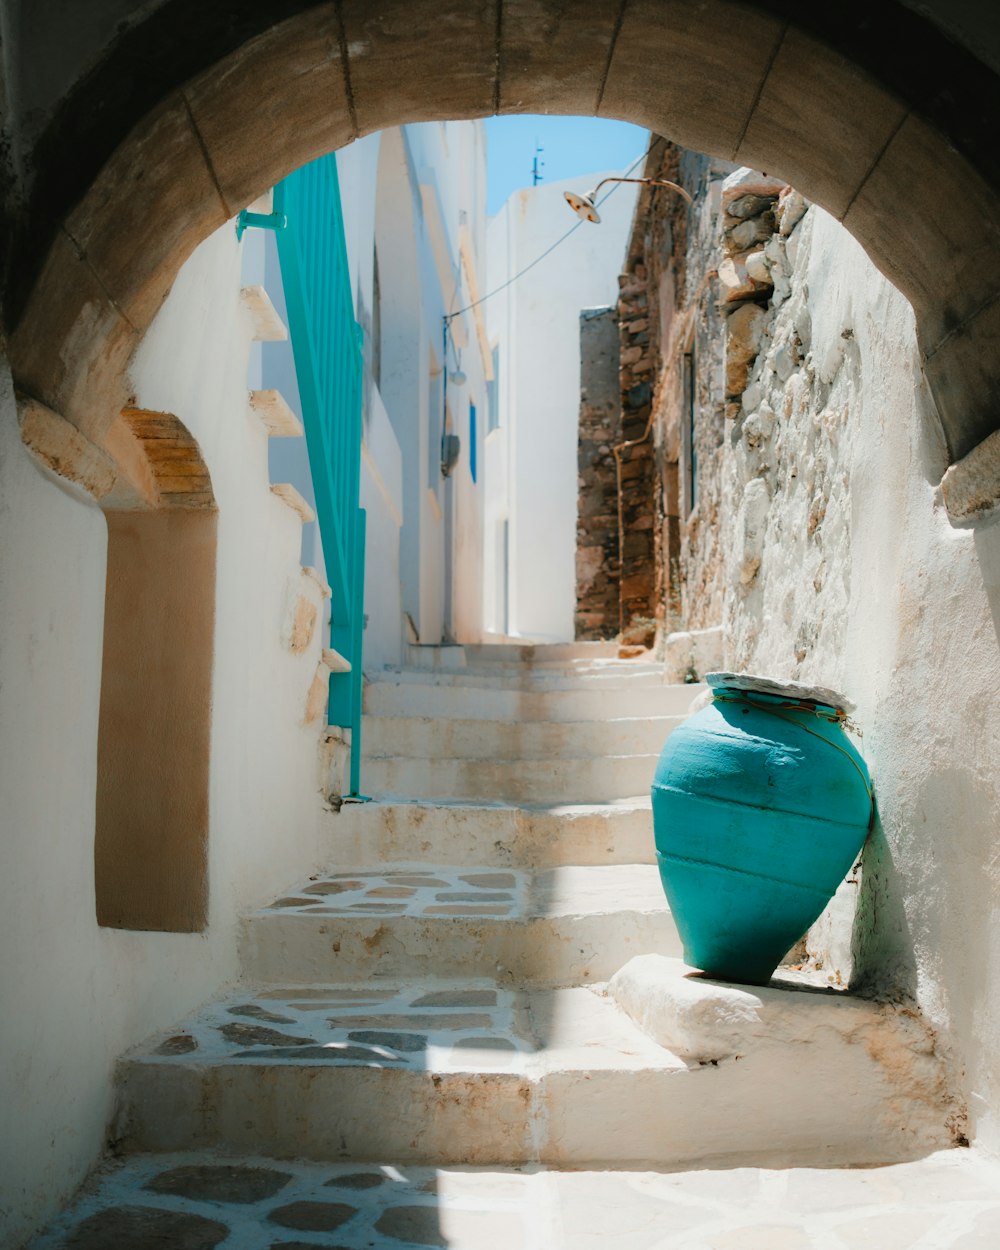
(425, 1051)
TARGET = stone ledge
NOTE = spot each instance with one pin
(267, 325)
(313, 575)
(287, 493)
(971, 487)
(693, 652)
(705, 1021)
(273, 410)
(62, 449)
(301, 616)
(334, 662)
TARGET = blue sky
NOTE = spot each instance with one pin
(572, 145)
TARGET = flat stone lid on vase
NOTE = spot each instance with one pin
(754, 684)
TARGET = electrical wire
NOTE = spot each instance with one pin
(549, 250)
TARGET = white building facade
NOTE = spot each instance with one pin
(414, 219)
(531, 446)
(223, 641)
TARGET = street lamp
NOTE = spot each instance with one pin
(583, 205)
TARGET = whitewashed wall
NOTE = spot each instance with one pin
(864, 585)
(532, 457)
(418, 192)
(74, 995)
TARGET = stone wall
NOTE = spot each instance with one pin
(788, 474)
(842, 568)
(690, 400)
(597, 558)
(619, 477)
(665, 506)
(639, 359)
(673, 400)
(833, 561)
(712, 272)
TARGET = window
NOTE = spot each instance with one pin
(472, 441)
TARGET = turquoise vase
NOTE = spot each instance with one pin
(761, 805)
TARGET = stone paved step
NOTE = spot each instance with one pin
(391, 695)
(947, 1201)
(478, 1074)
(575, 780)
(492, 835)
(542, 651)
(487, 739)
(559, 926)
(520, 654)
(518, 677)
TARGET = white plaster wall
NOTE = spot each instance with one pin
(864, 585)
(496, 512)
(536, 323)
(415, 190)
(382, 498)
(74, 995)
(193, 363)
(448, 163)
(272, 367)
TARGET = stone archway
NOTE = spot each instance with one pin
(735, 80)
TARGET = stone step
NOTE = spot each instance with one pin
(951, 1197)
(506, 653)
(391, 695)
(541, 652)
(459, 660)
(523, 678)
(491, 835)
(557, 926)
(480, 1074)
(573, 780)
(486, 739)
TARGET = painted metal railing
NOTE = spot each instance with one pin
(327, 345)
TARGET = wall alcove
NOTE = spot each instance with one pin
(151, 843)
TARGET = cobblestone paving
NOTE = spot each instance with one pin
(439, 1025)
(949, 1201)
(410, 892)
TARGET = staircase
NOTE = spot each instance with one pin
(439, 997)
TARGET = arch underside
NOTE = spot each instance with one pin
(738, 81)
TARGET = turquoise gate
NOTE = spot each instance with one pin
(327, 346)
